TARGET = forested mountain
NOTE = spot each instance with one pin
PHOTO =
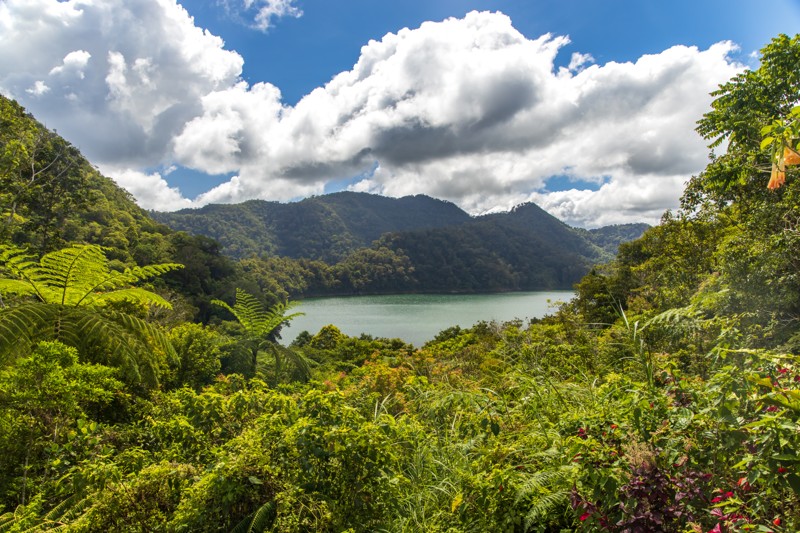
(327, 228)
(664, 398)
(330, 227)
(369, 243)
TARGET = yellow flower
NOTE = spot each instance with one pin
(777, 178)
(790, 156)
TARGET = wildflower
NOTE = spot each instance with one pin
(772, 409)
(614, 426)
(777, 521)
(584, 516)
(778, 176)
(790, 156)
(782, 469)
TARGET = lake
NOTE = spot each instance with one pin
(417, 318)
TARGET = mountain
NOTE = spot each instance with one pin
(341, 243)
(412, 244)
(326, 227)
(524, 249)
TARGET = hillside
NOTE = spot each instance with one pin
(330, 227)
(326, 227)
(371, 243)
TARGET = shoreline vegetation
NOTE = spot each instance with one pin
(143, 388)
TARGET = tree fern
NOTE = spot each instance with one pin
(70, 291)
(261, 326)
(257, 321)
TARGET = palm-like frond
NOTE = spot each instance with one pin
(257, 321)
(78, 275)
(296, 359)
(260, 324)
(56, 519)
(112, 338)
(74, 287)
(259, 521)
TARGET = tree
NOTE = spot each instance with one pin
(261, 327)
(42, 180)
(73, 296)
(743, 107)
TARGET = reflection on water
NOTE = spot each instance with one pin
(417, 318)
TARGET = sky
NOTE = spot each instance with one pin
(585, 107)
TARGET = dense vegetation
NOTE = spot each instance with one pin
(665, 397)
(349, 243)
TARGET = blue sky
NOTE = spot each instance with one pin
(299, 54)
(199, 101)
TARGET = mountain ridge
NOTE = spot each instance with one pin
(330, 227)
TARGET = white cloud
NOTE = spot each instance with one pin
(578, 61)
(124, 75)
(151, 190)
(261, 14)
(74, 63)
(468, 110)
(271, 9)
(38, 89)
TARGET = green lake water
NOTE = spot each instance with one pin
(417, 318)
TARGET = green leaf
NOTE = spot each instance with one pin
(794, 482)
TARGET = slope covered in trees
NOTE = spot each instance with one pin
(369, 243)
(664, 398)
(325, 228)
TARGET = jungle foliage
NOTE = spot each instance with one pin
(664, 398)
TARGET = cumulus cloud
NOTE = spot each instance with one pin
(124, 76)
(468, 110)
(151, 190)
(261, 14)
(472, 111)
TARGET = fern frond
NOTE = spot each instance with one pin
(67, 509)
(24, 267)
(73, 271)
(17, 286)
(259, 521)
(545, 506)
(133, 294)
(257, 321)
(134, 345)
(543, 481)
(6, 521)
(295, 358)
(21, 326)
